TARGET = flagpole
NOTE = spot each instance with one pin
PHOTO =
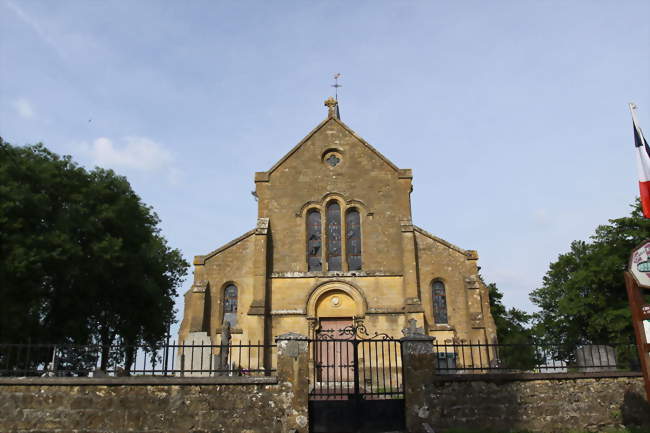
(633, 109)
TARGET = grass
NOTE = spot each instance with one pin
(624, 430)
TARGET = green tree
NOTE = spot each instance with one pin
(82, 258)
(514, 333)
(583, 298)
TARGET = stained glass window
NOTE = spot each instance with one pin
(333, 236)
(333, 160)
(439, 302)
(314, 245)
(230, 305)
(353, 239)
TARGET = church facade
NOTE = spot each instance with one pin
(335, 245)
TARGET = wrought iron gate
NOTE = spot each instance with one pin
(355, 382)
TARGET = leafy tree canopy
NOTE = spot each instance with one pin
(82, 258)
(583, 298)
(514, 333)
(513, 325)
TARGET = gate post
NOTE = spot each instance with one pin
(293, 368)
(418, 367)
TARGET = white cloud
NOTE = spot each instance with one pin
(135, 153)
(36, 27)
(24, 108)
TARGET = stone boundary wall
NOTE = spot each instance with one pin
(561, 402)
(163, 404)
(115, 405)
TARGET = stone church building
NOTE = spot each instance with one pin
(335, 245)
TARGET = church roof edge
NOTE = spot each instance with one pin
(263, 176)
(442, 241)
(200, 260)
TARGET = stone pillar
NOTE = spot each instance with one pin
(258, 305)
(412, 302)
(474, 298)
(257, 326)
(195, 307)
(418, 366)
(293, 372)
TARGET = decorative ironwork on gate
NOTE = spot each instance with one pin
(354, 372)
(358, 331)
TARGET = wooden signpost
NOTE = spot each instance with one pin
(637, 280)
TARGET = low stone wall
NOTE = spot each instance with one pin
(163, 404)
(147, 404)
(533, 402)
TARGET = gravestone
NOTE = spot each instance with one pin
(596, 357)
(195, 355)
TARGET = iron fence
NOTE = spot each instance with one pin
(257, 359)
(170, 359)
(467, 357)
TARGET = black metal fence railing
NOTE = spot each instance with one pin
(166, 360)
(238, 359)
(467, 357)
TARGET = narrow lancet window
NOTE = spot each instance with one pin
(230, 305)
(314, 245)
(333, 236)
(439, 302)
(353, 239)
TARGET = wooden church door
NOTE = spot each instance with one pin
(335, 356)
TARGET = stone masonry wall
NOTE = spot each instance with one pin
(221, 404)
(557, 403)
(157, 407)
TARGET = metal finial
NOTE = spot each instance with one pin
(336, 85)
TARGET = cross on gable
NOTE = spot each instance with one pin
(330, 103)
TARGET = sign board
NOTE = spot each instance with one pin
(640, 264)
(637, 280)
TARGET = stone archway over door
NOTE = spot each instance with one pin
(335, 303)
(353, 302)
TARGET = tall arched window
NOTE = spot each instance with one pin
(333, 236)
(439, 302)
(353, 239)
(230, 305)
(314, 252)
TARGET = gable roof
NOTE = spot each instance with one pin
(200, 260)
(441, 241)
(346, 128)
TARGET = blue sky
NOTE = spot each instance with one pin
(512, 114)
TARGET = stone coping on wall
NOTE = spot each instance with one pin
(333, 274)
(514, 377)
(135, 380)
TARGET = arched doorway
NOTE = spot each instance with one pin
(335, 311)
(355, 378)
(335, 299)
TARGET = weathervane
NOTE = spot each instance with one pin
(336, 85)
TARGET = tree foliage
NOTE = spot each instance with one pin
(583, 298)
(514, 333)
(82, 258)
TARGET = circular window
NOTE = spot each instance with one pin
(332, 158)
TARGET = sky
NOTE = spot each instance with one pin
(512, 114)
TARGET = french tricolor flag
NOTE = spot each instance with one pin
(642, 163)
